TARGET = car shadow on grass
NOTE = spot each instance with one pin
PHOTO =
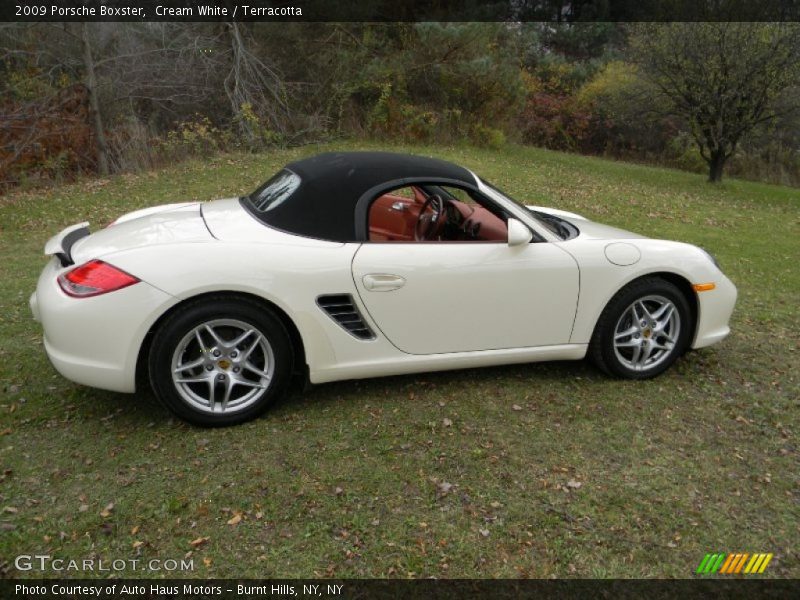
(135, 410)
(462, 381)
(557, 377)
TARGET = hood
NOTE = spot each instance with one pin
(166, 224)
(588, 229)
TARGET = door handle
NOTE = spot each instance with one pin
(380, 282)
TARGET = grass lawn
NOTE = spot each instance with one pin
(538, 470)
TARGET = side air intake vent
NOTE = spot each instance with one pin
(342, 309)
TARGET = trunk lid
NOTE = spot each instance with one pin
(152, 226)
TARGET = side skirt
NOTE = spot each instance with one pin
(410, 363)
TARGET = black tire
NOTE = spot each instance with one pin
(602, 349)
(226, 315)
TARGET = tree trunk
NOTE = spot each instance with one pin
(234, 84)
(715, 166)
(94, 106)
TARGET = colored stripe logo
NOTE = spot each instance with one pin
(732, 564)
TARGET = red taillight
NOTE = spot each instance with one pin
(94, 278)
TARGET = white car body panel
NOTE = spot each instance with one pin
(605, 279)
(151, 210)
(172, 226)
(464, 297)
(459, 305)
(91, 340)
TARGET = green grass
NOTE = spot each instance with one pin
(554, 469)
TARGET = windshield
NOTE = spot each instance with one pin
(551, 223)
(275, 191)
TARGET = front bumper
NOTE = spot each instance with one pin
(95, 341)
(714, 310)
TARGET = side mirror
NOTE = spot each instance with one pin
(518, 234)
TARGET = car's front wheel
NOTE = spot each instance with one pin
(643, 330)
(220, 361)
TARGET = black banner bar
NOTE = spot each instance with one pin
(462, 589)
(399, 10)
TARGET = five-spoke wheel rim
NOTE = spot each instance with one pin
(223, 366)
(647, 332)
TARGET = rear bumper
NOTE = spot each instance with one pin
(95, 341)
(714, 312)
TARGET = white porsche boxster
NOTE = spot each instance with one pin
(362, 264)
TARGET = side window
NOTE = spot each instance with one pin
(393, 215)
(460, 195)
(434, 213)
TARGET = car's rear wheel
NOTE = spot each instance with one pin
(643, 330)
(220, 361)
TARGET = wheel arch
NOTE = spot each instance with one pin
(300, 364)
(678, 281)
(685, 286)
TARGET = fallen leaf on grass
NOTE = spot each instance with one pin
(198, 541)
(235, 519)
(572, 484)
(106, 512)
(516, 407)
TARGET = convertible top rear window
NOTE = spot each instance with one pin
(275, 191)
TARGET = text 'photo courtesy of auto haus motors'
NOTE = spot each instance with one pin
(362, 264)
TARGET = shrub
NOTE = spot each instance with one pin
(198, 137)
(45, 137)
(488, 137)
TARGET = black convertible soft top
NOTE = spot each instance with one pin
(336, 188)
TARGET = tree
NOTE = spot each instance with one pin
(254, 88)
(723, 79)
(91, 86)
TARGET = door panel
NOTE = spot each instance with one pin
(459, 297)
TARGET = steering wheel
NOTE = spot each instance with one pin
(429, 225)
